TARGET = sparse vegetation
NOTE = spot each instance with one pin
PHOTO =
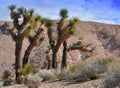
(64, 74)
(1, 84)
(33, 81)
(46, 74)
(85, 71)
(7, 78)
(112, 79)
(24, 72)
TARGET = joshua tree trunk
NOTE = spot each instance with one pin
(34, 42)
(18, 58)
(64, 58)
(49, 61)
(26, 56)
(49, 65)
(54, 57)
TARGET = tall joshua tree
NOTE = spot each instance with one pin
(64, 15)
(64, 32)
(22, 30)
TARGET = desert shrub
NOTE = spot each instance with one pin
(7, 79)
(74, 68)
(36, 69)
(113, 76)
(24, 72)
(63, 74)
(88, 72)
(112, 82)
(33, 81)
(28, 68)
(92, 71)
(46, 74)
(103, 63)
(1, 84)
(6, 75)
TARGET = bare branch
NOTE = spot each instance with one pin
(80, 46)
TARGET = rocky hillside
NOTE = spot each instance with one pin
(105, 37)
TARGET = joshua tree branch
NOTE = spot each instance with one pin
(51, 42)
(26, 19)
(13, 35)
(80, 46)
(16, 24)
(35, 41)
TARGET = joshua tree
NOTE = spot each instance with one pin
(64, 32)
(64, 15)
(23, 29)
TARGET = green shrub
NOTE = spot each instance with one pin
(93, 70)
(28, 69)
(6, 75)
(89, 72)
(102, 64)
(74, 68)
(24, 72)
(105, 61)
(64, 74)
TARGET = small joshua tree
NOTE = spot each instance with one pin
(21, 30)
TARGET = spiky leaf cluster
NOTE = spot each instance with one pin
(20, 12)
(63, 13)
(48, 23)
(11, 7)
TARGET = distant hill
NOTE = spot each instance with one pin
(106, 38)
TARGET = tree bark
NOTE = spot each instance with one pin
(18, 59)
(64, 57)
(27, 53)
(54, 57)
(49, 61)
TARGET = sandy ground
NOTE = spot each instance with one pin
(63, 84)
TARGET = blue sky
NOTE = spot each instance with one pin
(105, 11)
